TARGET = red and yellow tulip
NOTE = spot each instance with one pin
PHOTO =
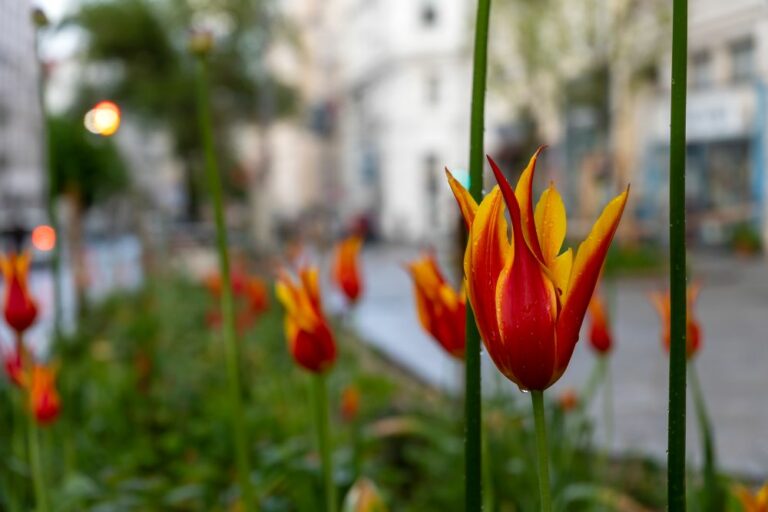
(346, 270)
(600, 338)
(309, 337)
(43, 398)
(350, 403)
(19, 308)
(529, 298)
(757, 502)
(661, 301)
(442, 310)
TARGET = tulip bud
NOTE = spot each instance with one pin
(14, 367)
(39, 18)
(20, 309)
(350, 404)
(44, 400)
(568, 400)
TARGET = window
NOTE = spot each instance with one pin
(428, 14)
(742, 60)
(701, 69)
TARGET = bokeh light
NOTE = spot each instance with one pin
(103, 119)
(44, 238)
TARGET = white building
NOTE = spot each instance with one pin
(22, 182)
(404, 84)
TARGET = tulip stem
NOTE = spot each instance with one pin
(36, 465)
(472, 398)
(677, 276)
(227, 303)
(714, 498)
(324, 441)
(542, 449)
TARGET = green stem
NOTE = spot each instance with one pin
(542, 449)
(714, 498)
(36, 466)
(472, 405)
(597, 375)
(324, 441)
(677, 257)
(608, 406)
(227, 303)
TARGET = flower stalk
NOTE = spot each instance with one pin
(677, 259)
(227, 300)
(542, 449)
(36, 465)
(324, 440)
(713, 495)
(472, 394)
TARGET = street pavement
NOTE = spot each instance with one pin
(732, 365)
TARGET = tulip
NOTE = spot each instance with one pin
(310, 340)
(529, 298)
(600, 338)
(442, 310)
(43, 397)
(568, 400)
(350, 404)
(346, 271)
(757, 502)
(20, 309)
(661, 301)
(13, 363)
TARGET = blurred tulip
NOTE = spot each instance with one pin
(350, 403)
(200, 42)
(600, 338)
(568, 400)
(661, 301)
(442, 310)
(346, 271)
(19, 308)
(529, 299)
(13, 363)
(256, 295)
(43, 397)
(310, 340)
(757, 502)
(364, 497)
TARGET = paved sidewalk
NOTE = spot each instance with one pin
(733, 364)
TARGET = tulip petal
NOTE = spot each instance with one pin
(524, 194)
(487, 249)
(561, 272)
(584, 275)
(467, 203)
(550, 224)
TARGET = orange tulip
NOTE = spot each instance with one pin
(662, 303)
(442, 310)
(568, 400)
(346, 271)
(19, 308)
(310, 340)
(529, 298)
(256, 296)
(43, 397)
(757, 502)
(350, 403)
(600, 337)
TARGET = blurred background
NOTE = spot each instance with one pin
(335, 116)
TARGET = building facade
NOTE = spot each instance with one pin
(21, 125)
(726, 124)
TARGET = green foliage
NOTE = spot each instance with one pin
(83, 164)
(144, 425)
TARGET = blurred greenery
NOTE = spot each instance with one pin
(137, 53)
(144, 425)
